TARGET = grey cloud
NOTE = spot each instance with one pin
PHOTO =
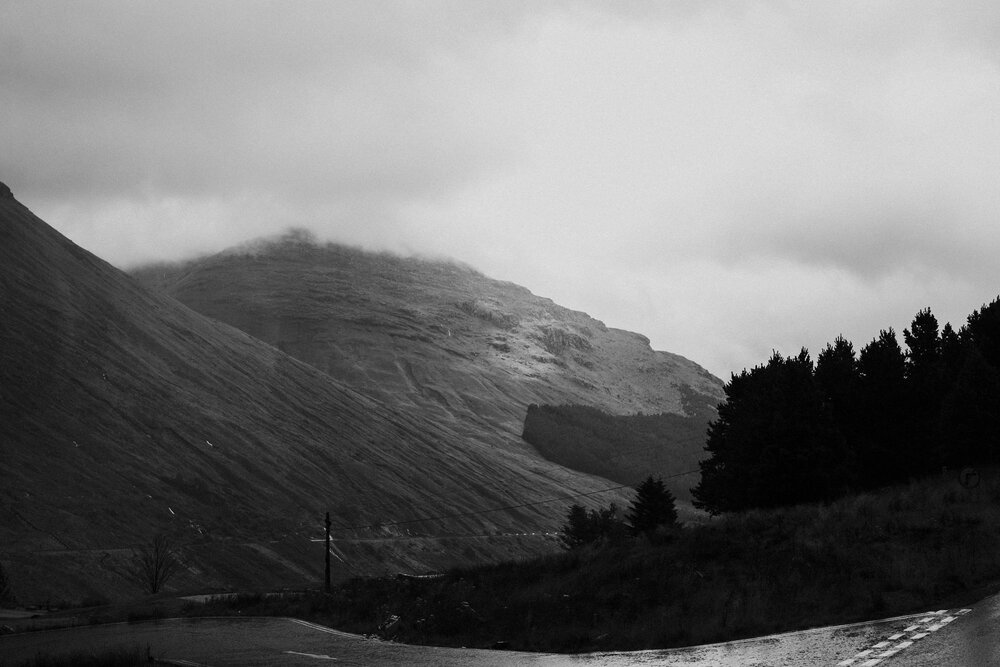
(191, 98)
(732, 162)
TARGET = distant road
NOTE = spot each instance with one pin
(969, 638)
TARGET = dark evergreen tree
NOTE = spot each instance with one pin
(652, 508)
(837, 372)
(982, 329)
(951, 356)
(925, 375)
(587, 527)
(880, 448)
(610, 524)
(837, 381)
(924, 344)
(774, 442)
(971, 414)
(970, 421)
(577, 530)
(790, 433)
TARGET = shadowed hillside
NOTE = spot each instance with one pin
(623, 448)
(125, 414)
(467, 351)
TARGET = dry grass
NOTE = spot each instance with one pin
(923, 545)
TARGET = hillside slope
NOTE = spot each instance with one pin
(124, 414)
(465, 350)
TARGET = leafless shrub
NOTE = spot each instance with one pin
(155, 563)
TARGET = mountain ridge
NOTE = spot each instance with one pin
(327, 275)
(126, 414)
(440, 337)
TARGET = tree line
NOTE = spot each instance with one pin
(794, 431)
(622, 448)
(652, 513)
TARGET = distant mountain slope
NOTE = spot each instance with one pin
(623, 448)
(124, 414)
(468, 351)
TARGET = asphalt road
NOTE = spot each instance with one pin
(972, 642)
(969, 638)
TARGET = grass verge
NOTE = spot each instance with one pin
(896, 551)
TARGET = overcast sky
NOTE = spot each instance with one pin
(725, 178)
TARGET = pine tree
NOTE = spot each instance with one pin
(971, 414)
(587, 527)
(577, 530)
(924, 374)
(924, 344)
(882, 453)
(837, 382)
(982, 329)
(774, 442)
(652, 508)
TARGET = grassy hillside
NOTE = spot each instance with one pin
(924, 545)
(466, 350)
(124, 414)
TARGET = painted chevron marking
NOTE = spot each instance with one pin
(931, 621)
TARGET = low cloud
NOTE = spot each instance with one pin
(725, 178)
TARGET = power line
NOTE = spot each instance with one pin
(460, 515)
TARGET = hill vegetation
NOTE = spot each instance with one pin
(623, 448)
(791, 431)
(900, 550)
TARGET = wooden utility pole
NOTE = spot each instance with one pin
(327, 552)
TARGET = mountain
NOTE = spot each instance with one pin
(466, 351)
(124, 414)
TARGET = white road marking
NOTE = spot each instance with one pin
(886, 649)
(318, 656)
(321, 628)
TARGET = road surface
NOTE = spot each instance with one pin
(968, 638)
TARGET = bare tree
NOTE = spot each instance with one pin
(155, 563)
